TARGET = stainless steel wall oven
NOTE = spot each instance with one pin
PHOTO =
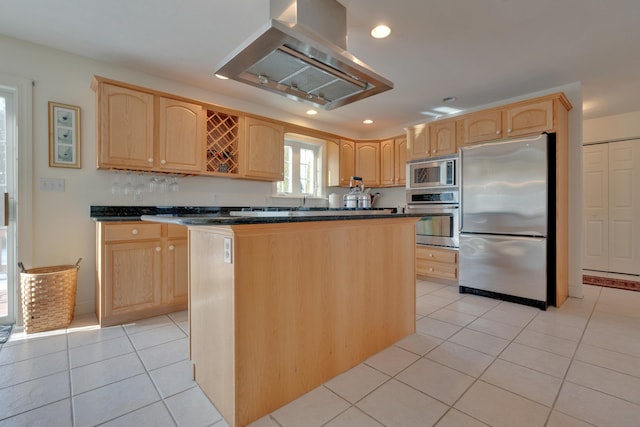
(432, 190)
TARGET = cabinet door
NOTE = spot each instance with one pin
(263, 150)
(418, 142)
(624, 207)
(387, 163)
(180, 139)
(177, 264)
(529, 119)
(442, 137)
(347, 161)
(400, 146)
(125, 128)
(595, 182)
(333, 163)
(482, 126)
(132, 277)
(368, 163)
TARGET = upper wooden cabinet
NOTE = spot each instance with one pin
(368, 162)
(347, 161)
(418, 141)
(481, 126)
(393, 159)
(129, 139)
(442, 138)
(529, 117)
(125, 127)
(180, 135)
(433, 139)
(263, 150)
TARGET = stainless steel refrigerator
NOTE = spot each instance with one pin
(507, 234)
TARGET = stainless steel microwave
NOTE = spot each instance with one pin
(432, 173)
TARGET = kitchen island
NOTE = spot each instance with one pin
(278, 306)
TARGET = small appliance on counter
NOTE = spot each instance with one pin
(358, 197)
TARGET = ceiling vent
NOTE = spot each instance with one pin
(301, 54)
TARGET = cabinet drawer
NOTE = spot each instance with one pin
(438, 255)
(177, 231)
(436, 269)
(131, 231)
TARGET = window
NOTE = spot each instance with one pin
(302, 168)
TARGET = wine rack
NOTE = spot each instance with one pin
(222, 142)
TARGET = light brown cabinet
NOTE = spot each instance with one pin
(180, 136)
(481, 126)
(142, 271)
(367, 167)
(125, 127)
(418, 141)
(393, 159)
(524, 118)
(440, 263)
(442, 138)
(262, 156)
(140, 130)
(347, 161)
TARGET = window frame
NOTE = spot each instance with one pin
(298, 142)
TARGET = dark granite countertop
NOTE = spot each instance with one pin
(195, 215)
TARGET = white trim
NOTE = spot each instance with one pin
(20, 205)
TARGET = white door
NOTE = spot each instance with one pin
(595, 186)
(8, 187)
(624, 207)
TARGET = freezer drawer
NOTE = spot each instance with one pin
(509, 265)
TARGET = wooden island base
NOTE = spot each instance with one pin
(300, 303)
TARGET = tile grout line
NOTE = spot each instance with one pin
(564, 378)
(146, 370)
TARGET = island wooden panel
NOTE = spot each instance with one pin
(301, 303)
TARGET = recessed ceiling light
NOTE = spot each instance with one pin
(221, 77)
(312, 112)
(449, 99)
(367, 121)
(380, 32)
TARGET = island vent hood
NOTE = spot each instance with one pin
(301, 53)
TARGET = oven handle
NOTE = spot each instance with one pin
(432, 207)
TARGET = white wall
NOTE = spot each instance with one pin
(612, 128)
(61, 228)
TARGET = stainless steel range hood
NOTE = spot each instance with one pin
(301, 53)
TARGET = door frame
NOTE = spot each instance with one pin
(20, 203)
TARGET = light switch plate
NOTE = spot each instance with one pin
(52, 184)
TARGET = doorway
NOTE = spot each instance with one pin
(8, 199)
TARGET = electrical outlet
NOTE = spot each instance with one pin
(52, 184)
(227, 250)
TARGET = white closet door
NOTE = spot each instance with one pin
(595, 184)
(624, 207)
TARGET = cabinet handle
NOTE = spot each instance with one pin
(508, 130)
(430, 269)
(134, 231)
(497, 132)
(171, 247)
(150, 160)
(163, 162)
(431, 255)
(158, 248)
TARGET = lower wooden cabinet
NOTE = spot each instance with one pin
(441, 263)
(142, 271)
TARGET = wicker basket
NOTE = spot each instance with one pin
(48, 297)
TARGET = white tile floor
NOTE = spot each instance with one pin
(474, 362)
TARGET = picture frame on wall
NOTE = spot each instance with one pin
(64, 136)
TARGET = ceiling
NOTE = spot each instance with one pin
(477, 51)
